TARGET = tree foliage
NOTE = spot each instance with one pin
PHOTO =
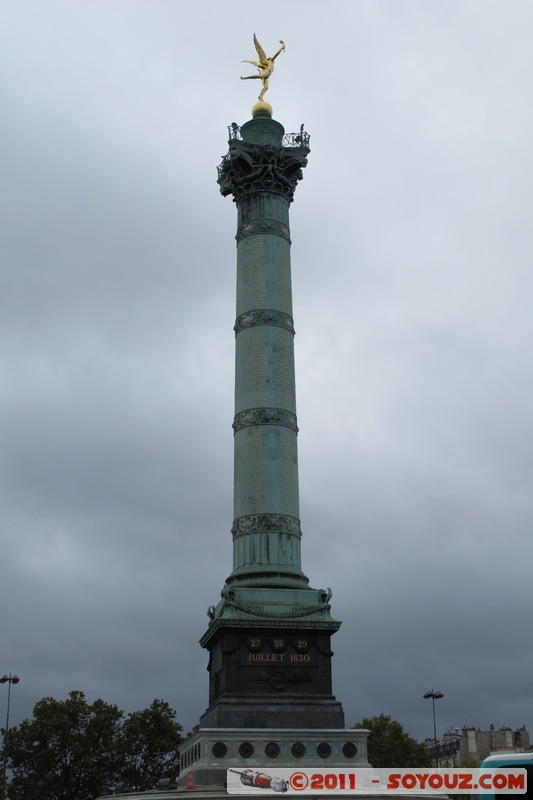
(73, 750)
(390, 746)
(66, 751)
(148, 743)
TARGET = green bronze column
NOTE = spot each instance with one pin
(261, 171)
(269, 636)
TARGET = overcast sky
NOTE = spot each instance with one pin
(413, 287)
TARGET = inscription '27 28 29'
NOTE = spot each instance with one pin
(277, 644)
(275, 653)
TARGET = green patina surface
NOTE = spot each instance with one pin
(261, 171)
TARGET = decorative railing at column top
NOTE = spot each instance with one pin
(300, 139)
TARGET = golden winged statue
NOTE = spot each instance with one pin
(265, 65)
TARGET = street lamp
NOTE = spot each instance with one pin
(434, 696)
(6, 679)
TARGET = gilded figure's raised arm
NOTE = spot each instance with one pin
(281, 49)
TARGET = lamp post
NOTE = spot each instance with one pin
(434, 696)
(6, 679)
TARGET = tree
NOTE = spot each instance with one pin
(390, 746)
(66, 752)
(71, 750)
(148, 743)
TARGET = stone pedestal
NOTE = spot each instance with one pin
(271, 677)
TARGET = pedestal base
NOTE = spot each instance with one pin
(207, 755)
(210, 752)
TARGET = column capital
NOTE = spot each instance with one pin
(262, 158)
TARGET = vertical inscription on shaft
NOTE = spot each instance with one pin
(266, 471)
(265, 369)
(281, 264)
(263, 274)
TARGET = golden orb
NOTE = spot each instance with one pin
(262, 107)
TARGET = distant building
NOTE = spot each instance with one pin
(469, 744)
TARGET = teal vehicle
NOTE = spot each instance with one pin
(504, 761)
